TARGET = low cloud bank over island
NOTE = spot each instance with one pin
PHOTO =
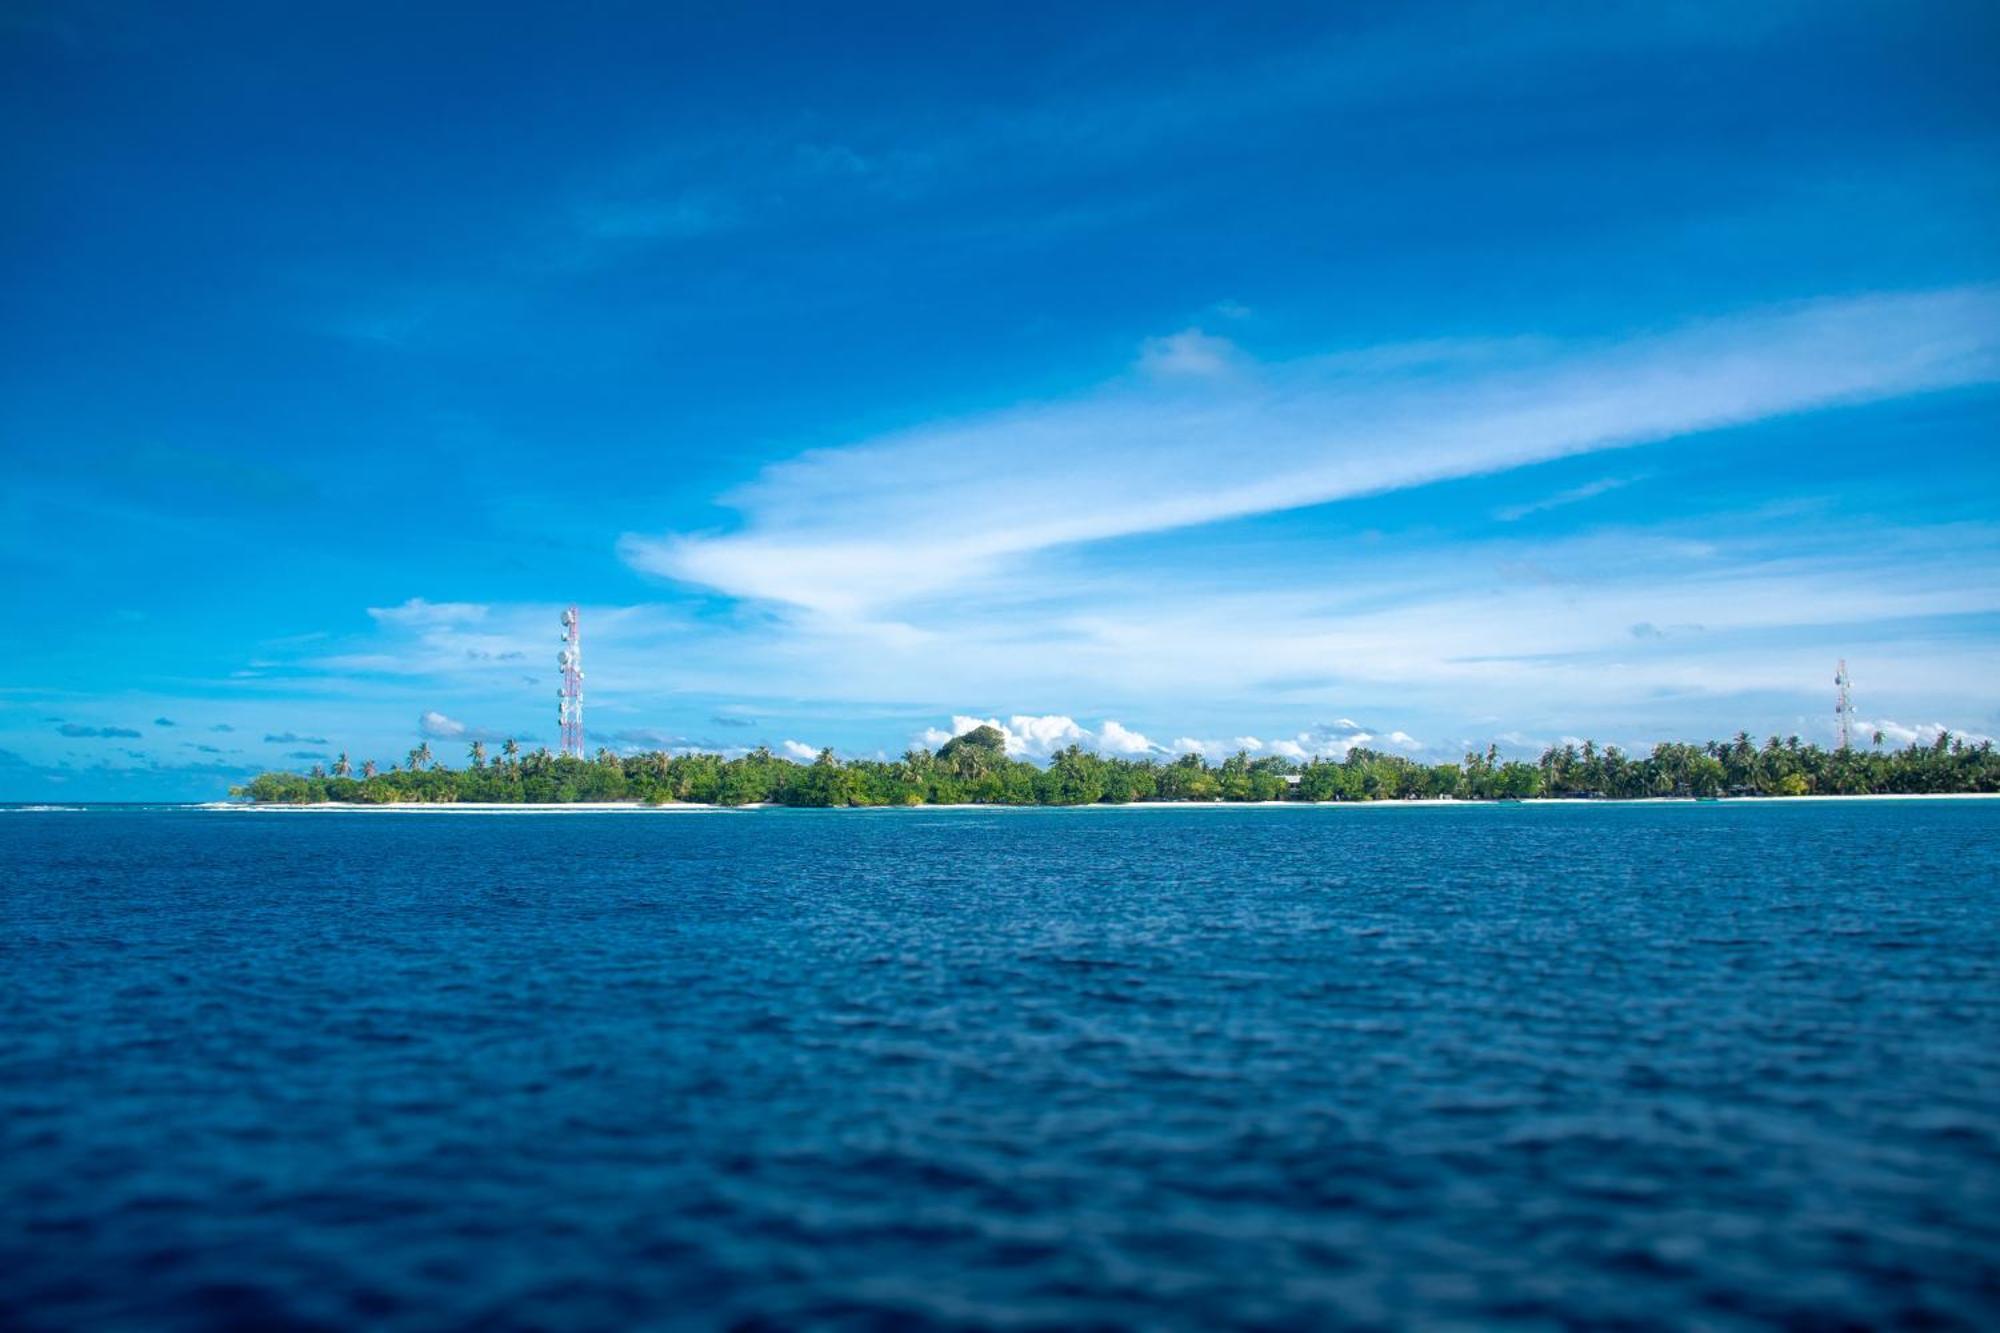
(1038, 737)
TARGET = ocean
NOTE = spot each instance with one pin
(1646, 1065)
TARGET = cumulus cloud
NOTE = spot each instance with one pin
(800, 750)
(77, 729)
(439, 727)
(1115, 739)
(433, 725)
(1027, 736)
(1037, 736)
(416, 613)
(1898, 734)
(1332, 741)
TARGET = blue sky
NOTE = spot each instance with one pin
(1431, 374)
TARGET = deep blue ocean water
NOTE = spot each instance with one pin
(1536, 1066)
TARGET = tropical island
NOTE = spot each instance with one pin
(975, 769)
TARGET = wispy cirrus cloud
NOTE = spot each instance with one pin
(1590, 490)
(1469, 640)
(855, 532)
(418, 613)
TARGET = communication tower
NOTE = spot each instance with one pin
(1843, 704)
(569, 709)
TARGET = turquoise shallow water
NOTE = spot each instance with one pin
(1536, 1066)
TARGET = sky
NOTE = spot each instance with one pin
(1282, 378)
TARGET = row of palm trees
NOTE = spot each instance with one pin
(419, 759)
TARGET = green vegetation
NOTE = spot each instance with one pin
(974, 768)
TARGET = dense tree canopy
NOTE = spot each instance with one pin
(974, 768)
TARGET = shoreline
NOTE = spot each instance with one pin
(689, 807)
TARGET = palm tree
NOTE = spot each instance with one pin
(415, 756)
(340, 767)
(512, 749)
(479, 754)
(421, 756)
(367, 769)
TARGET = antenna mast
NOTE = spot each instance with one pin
(569, 709)
(1843, 704)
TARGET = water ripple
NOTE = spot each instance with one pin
(1631, 1066)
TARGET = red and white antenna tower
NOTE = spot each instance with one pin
(569, 711)
(1843, 704)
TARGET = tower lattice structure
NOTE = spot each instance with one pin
(569, 707)
(1843, 704)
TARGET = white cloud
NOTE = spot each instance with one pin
(473, 642)
(1187, 353)
(1315, 742)
(800, 750)
(851, 533)
(417, 612)
(433, 725)
(1897, 734)
(1045, 734)
(1032, 736)
(1027, 735)
(1590, 490)
(1526, 636)
(439, 727)
(1115, 739)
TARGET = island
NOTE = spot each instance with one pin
(975, 769)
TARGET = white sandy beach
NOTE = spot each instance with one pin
(638, 807)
